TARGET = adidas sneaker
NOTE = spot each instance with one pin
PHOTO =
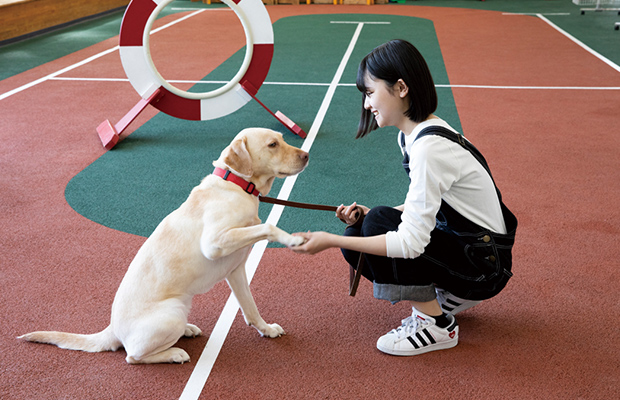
(450, 304)
(418, 334)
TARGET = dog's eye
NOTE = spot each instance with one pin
(273, 144)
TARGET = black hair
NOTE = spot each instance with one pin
(394, 60)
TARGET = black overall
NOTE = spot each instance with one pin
(462, 257)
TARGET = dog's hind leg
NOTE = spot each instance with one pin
(148, 352)
(170, 355)
(154, 335)
(238, 282)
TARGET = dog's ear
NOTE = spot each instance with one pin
(237, 157)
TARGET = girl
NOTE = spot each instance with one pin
(449, 245)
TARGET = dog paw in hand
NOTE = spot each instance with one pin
(296, 241)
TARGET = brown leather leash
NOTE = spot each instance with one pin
(354, 274)
(295, 204)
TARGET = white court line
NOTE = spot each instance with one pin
(203, 368)
(531, 87)
(86, 61)
(197, 8)
(359, 22)
(353, 84)
(65, 78)
(52, 75)
(506, 13)
(581, 44)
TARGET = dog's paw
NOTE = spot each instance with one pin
(178, 356)
(295, 241)
(192, 330)
(273, 331)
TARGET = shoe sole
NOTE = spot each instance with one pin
(414, 352)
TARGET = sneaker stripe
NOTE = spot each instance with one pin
(421, 339)
(429, 336)
(415, 345)
(453, 303)
(447, 308)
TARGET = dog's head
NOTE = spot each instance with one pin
(260, 155)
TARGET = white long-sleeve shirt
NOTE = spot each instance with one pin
(442, 169)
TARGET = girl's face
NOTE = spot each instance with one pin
(387, 103)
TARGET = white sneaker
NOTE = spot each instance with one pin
(450, 304)
(417, 335)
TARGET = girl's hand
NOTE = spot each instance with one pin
(350, 214)
(314, 242)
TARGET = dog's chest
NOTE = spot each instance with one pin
(217, 270)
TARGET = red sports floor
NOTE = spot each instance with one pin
(551, 334)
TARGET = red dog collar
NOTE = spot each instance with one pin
(248, 187)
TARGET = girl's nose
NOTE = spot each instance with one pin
(366, 103)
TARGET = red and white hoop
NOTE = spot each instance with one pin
(143, 76)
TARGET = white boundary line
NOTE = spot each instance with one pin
(507, 13)
(198, 8)
(54, 76)
(353, 84)
(360, 22)
(89, 59)
(581, 44)
(205, 364)
(530, 87)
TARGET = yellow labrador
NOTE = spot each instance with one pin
(207, 239)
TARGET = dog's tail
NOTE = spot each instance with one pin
(102, 341)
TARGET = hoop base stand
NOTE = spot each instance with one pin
(284, 120)
(110, 135)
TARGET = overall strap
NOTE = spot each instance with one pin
(458, 138)
(405, 154)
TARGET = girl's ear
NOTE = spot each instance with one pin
(403, 89)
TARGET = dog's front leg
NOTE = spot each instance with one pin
(225, 243)
(238, 282)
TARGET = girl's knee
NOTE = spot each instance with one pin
(380, 220)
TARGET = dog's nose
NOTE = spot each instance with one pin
(304, 156)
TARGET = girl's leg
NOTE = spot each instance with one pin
(395, 279)
(428, 328)
(431, 308)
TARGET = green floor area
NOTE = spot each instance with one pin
(594, 29)
(145, 177)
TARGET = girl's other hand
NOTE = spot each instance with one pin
(350, 214)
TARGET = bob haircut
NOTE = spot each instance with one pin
(394, 60)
